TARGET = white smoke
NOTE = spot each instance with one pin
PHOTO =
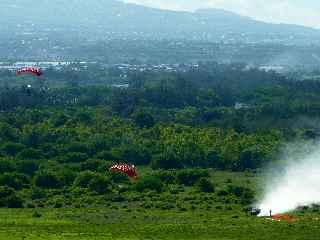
(297, 185)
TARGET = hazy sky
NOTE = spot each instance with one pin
(302, 12)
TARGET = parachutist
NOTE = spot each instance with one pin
(126, 169)
(33, 70)
(270, 211)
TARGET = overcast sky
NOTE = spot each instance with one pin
(302, 12)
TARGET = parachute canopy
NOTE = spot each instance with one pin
(33, 70)
(283, 217)
(126, 169)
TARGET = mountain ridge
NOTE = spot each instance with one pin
(113, 18)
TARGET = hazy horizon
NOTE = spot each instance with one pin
(300, 12)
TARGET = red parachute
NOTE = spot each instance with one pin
(286, 217)
(126, 169)
(33, 70)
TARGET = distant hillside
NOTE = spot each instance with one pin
(114, 19)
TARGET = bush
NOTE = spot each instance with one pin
(29, 153)
(74, 157)
(222, 193)
(5, 191)
(27, 167)
(150, 183)
(166, 160)
(246, 195)
(189, 177)
(118, 177)
(205, 185)
(66, 176)
(50, 150)
(84, 178)
(78, 148)
(14, 201)
(9, 198)
(12, 148)
(143, 119)
(36, 214)
(47, 179)
(37, 193)
(236, 190)
(132, 153)
(167, 176)
(99, 184)
(93, 165)
(250, 158)
(6, 165)
(14, 180)
(213, 159)
(105, 155)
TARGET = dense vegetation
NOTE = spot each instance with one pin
(56, 144)
(199, 139)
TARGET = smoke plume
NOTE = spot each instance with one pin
(296, 183)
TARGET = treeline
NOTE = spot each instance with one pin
(50, 153)
(57, 141)
(225, 96)
(78, 134)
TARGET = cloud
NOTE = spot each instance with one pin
(302, 12)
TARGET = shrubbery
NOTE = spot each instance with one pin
(205, 185)
(99, 184)
(29, 153)
(14, 180)
(189, 177)
(9, 198)
(47, 179)
(6, 165)
(84, 178)
(246, 195)
(150, 183)
(27, 167)
(11, 148)
(74, 157)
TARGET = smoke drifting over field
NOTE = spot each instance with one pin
(298, 184)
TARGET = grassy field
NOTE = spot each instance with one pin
(72, 224)
(184, 215)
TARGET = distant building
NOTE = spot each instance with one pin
(238, 106)
(120, 85)
(274, 68)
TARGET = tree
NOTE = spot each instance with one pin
(11, 148)
(27, 167)
(250, 158)
(167, 159)
(6, 165)
(84, 178)
(149, 183)
(143, 119)
(74, 157)
(47, 179)
(9, 198)
(99, 184)
(131, 153)
(14, 180)
(189, 177)
(205, 185)
(29, 153)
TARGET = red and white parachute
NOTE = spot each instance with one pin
(33, 70)
(130, 171)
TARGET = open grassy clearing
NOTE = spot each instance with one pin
(149, 224)
(184, 215)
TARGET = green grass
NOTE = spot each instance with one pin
(192, 215)
(154, 224)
